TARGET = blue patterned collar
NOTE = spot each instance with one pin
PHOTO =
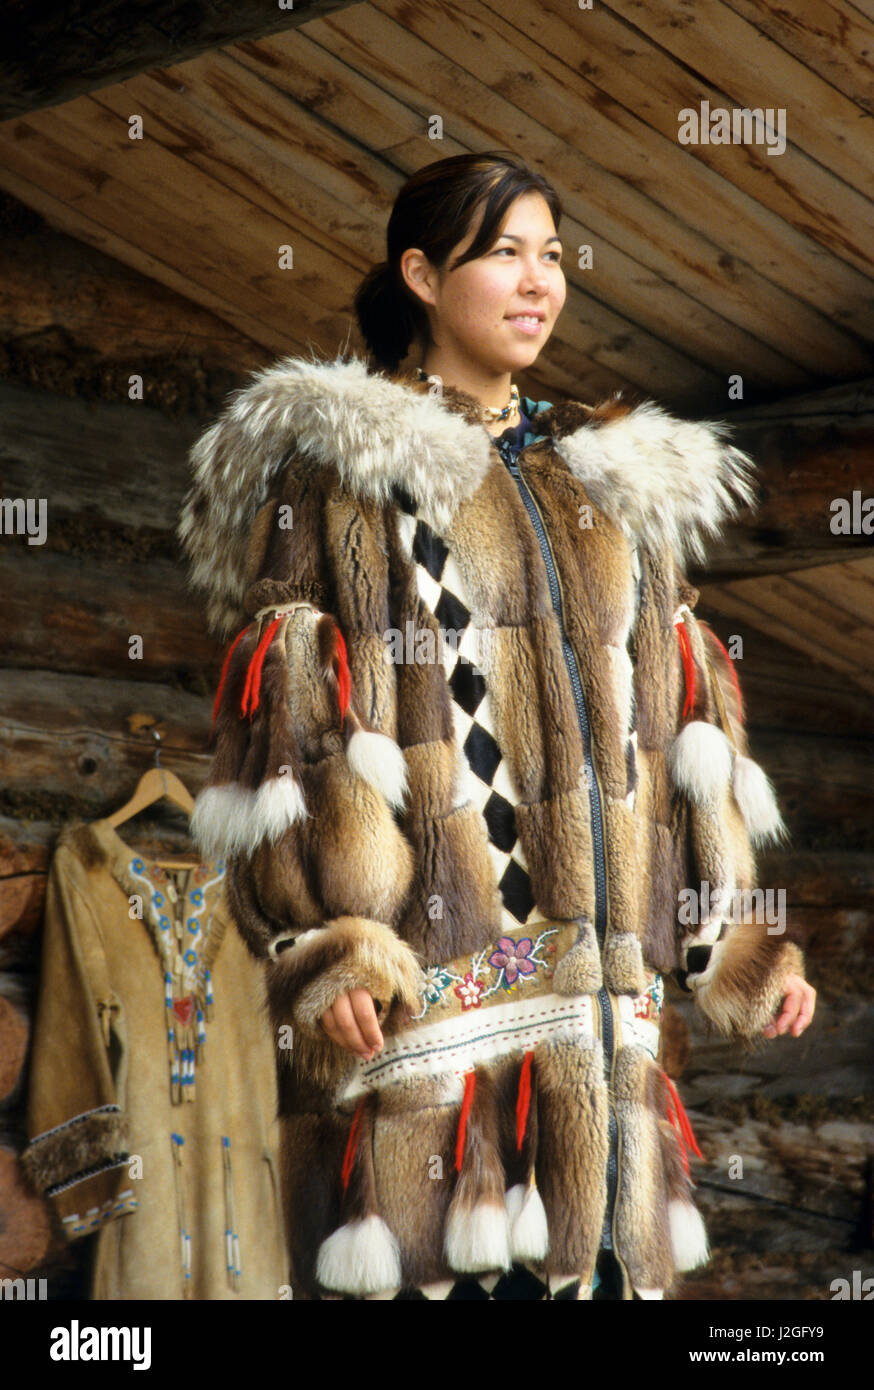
(517, 437)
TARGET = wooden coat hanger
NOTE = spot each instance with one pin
(158, 782)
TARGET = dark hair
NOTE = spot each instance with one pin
(434, 211)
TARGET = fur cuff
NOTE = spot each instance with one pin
(742, 987)
(77, 1149)
(347, 953)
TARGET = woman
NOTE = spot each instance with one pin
(474, 760)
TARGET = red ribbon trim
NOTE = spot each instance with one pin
(252, 691)
(352, 1145)
(467, 1102)
(680, 1120)
(724, 650)
(523, 1099)
(224, 676)
(344, 680)
(688, 667)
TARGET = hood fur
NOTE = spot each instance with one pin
(662, 479)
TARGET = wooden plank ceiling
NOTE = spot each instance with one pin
(709, 260)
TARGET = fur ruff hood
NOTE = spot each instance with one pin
(662, 479)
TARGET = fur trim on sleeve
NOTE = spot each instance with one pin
(347, 953)
(78, 1148)
(743, 985)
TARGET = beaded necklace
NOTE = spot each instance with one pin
(187, 948)
(493, 412)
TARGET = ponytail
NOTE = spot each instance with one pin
(387, 318)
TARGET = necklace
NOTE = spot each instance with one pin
(181, 923)
(492, 412)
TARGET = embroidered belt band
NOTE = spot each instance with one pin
(451, 1047)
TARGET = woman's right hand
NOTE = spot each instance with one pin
(351, 1021)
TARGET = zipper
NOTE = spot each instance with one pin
(510, 457)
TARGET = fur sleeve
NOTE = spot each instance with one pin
(734, 954)
(77, 1127)
(303, 789)
(318, 868)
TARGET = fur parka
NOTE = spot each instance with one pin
(474, 753)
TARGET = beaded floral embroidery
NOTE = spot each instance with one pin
(504, 966)
(648, 1005)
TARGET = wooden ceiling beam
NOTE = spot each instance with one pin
(54, 52)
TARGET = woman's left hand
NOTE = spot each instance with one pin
(799, 1002)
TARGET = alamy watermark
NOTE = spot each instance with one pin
(758, 905)
(426, 646)
(24, 516)
(27, 1290)
(742, 125)
(75, 1343)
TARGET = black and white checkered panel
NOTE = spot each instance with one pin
(519, 1283)
(488, 784)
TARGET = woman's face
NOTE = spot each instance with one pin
(476, 308)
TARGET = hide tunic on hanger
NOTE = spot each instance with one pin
(152, 1101)
(472, 745)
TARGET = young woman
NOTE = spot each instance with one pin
(480, 775)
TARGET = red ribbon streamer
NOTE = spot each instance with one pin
(523, 1099)
(724, 650)
(688, 666)
(344, 680)
(674, 1121)
(680, 1121)
(253, 675)
(467, 1102)
(224, 676)
(352, 1145)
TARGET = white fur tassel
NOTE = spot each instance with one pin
(378, 760)
(529, 1235)
(757, 801)
(700, 761)
(688, 1236)
(220, 819)
(478, 1238)
(278, 804)
(232, 819)
(361, 1257)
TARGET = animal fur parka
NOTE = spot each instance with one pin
(474, 753)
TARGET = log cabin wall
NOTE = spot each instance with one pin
(158, 260)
